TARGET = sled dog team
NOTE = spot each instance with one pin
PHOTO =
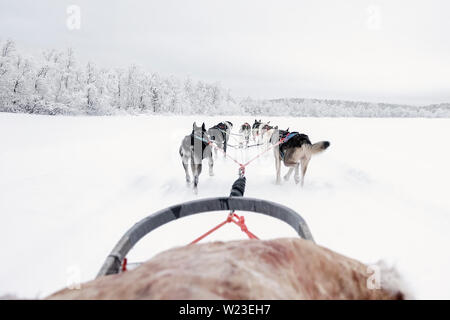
(294, 151)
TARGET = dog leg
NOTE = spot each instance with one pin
(211, 164)
(288, 174)
(196, 170)
(304, 163)
(296, 175)
(277, 165)
(185, 162)
(199, 170)
(223, 147)
(188, 177)
(194, 173)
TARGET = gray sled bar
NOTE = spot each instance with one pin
(113, 262)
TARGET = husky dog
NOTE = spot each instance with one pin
(266, 132)
(255, 130)
(245, 131)
(259, 129)
(195, 147)
(220, 134)
(295, 151)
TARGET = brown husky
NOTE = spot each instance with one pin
(295, 151)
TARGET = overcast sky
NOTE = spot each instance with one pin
(391, 51)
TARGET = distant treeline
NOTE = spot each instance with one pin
(340, 108)
(55, 83)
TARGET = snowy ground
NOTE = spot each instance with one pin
(71, 186)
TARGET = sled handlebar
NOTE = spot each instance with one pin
(236, 202)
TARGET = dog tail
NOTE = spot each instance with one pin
(319, 146)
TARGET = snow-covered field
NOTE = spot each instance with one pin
(71, 186)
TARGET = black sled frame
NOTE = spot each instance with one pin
(235, 201)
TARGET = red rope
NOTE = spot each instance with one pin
(260, 154)
(232, 217)
(209, 232)
(226, 154)
(242, 166)
(241, 224)
(124, 264)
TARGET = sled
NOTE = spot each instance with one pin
(235, 202)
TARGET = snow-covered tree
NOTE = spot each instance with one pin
(55, 83)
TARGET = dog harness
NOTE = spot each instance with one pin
(285, 137)
(205, 142)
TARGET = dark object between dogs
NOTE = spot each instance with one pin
(238, 188)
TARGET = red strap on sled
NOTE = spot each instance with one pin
(124, 264)
(234, 218)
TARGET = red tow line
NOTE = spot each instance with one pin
(234, 218)
(243, 165)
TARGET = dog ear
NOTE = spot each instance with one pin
(194, 125)
(203, 126)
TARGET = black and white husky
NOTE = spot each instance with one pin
(220, 134)
(266, 132)
(255, 130)
(194, 148)
(260, 130)
(295, 151)
(245, 131)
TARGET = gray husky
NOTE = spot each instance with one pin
(195, 148)
(295, 151)
(220, 134)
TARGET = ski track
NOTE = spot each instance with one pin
(71, 186)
